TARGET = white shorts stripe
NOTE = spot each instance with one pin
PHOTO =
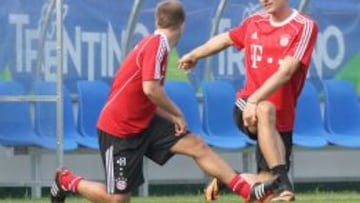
(241, 104)
(110, 184)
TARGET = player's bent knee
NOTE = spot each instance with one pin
(191, 145)
(266, 109)
(199, 142)
(198, 145)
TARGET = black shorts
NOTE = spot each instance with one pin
(123, 157)
(286, 137)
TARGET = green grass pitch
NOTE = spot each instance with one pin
(321, 197)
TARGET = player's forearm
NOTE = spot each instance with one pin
(212, 46)
(165, 104)
(161, 112)
(160, 99)
(269, 87)
(278, 79)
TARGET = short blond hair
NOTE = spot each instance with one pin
(169, 14)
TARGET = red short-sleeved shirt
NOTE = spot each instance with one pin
(128, 110)
(266, 43)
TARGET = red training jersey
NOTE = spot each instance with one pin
(265, 44)
(128, 110)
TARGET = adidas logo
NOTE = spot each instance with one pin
(254, 35)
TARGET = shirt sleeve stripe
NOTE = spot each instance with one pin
(159, 58)
(304, 40)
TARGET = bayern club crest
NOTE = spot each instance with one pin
(284, 40)
(121, 184)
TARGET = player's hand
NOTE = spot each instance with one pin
(249, 115)
(187, 62)
(180, 125)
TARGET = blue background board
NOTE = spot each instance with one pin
(92, 39)
(94, 32)
(338, 40)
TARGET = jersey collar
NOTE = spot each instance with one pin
(286, 21)
(157, 32)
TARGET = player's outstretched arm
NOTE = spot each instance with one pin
(212, 46)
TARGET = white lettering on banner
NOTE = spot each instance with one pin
(73, 50)
(49, 67)
(235, 59)
(101, 49)
(91, 39)
(30, 51)
(103, 52)
(19, 21)
(50, 49)
(336, 33)
(230, 59)
(321, 53)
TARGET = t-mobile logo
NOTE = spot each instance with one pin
(256, 53)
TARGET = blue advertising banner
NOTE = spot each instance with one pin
(95, 30)
(337, 53)
(92, 40)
